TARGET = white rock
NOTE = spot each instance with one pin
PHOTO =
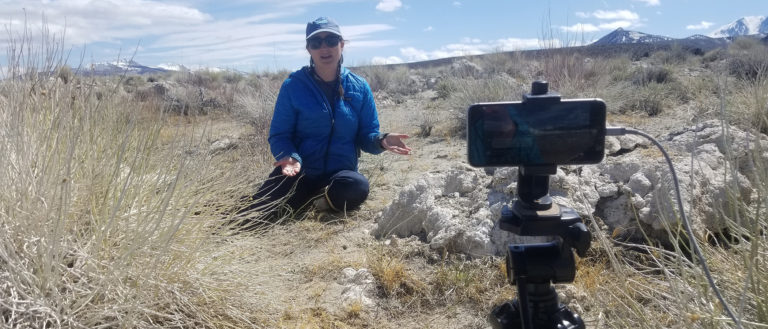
(359, 287)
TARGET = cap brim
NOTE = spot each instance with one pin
(323, 30)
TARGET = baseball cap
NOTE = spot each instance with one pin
(322, 24)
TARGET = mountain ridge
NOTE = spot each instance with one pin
(748, 25)
(721, 37)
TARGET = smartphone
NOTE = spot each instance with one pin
(568, 132)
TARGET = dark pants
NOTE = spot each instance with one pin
(345, 190)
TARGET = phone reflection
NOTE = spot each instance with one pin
(500, 133)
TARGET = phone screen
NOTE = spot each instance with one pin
(516, 133)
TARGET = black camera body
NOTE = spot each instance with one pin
(538, 134)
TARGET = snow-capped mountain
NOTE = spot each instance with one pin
(744, 26)
(621, 36)
(132, 67)
(121, 67)
(698, 37)
(764, 26)
(173, 67)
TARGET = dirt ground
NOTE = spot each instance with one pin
(294, 269)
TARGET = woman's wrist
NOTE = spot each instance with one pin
(382, 142)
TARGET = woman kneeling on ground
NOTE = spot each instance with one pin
(324, 116)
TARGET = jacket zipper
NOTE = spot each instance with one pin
(331, 113)
(330, 135)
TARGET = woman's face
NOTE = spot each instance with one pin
(326, 56)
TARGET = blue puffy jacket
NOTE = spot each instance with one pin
(324, 141)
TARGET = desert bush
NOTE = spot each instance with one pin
(643, 76)
(132, 83)
(65, 74)
(446, 87)
(464, 92)
(568, 72)
(256, 106)
(748, 59)
(651, 99)
(509, 63)
(428, 119)
(675, 55)
(208, 79)
(105, 216)
(618, 68)
(395, 80)
(748, 104)
(715, 55)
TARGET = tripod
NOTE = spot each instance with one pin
(534, 267)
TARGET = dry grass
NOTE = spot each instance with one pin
(110, 207)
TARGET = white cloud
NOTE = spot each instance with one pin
(457, 4)
(650, 2)
(616, 14)
(415, 55)
(511, 44)
(615, 18)
(615, 25)
(471, 46)
(428, 29)
(580, 27)
(104, 21)
(389, 5)
(701, 26)
(162, 32)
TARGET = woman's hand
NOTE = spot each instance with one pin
(290, 166)
(394, 143)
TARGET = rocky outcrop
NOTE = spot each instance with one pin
(632, 190)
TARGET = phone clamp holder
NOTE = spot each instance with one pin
(534, 267)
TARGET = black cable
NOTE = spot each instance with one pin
(694, 244)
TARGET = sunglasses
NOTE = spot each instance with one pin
(317, 42)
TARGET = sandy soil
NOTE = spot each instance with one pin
(294, 269)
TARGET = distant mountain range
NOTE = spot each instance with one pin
(751, 25)
(132, 67)
(620, 36)
(121, 67)
(756, 26)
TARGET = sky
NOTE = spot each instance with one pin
(268, 35)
